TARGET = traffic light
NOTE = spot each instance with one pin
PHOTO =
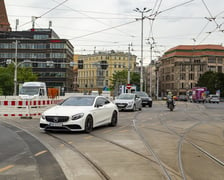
(103, 64)
(80, 64)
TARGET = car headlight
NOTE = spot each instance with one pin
(43, 116)
(130, 103)
(77, 116)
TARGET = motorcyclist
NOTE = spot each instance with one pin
(170, 97)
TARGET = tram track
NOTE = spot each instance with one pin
(183, 139)
(102, 174)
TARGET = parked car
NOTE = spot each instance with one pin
(212, 98)
(128, 101)
(182, 98)
(146, 99)
(80, 113)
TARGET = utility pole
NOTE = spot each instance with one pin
(129, 79)
(145, 10)
(15, 72)
(151, 47)
(129, 45)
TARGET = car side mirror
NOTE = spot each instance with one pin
(99, 105)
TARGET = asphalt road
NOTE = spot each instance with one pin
(23, 157)
(154, 143)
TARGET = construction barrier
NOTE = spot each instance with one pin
(25, 108)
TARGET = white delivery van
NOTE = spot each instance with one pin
(33, 90)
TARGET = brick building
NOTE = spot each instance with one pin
(181, 66)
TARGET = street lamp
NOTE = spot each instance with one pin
(16, 65)
(144, 10)
(157, 79)
(129, 63)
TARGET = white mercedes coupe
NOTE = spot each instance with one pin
(80, 113)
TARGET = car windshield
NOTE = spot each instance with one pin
(126, 96)
(29, 91)
(78, 101)
(214, 97)
(141, 94)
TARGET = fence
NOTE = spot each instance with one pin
(25, 108)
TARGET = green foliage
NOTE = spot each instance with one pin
(6, 81)
(213, 81)
(7, 78)
(121, 77)
(25, 75)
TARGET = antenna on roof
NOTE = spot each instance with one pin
(50, 24)
(33, 21)
(17, 23)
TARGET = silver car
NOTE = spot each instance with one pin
(212, 98)
(128, 101)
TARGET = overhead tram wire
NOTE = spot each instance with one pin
(106, 29)
(45, 12)
(209, 20)
(212, 18)
(95, 19)
(181, 4)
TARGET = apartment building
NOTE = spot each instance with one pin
(96, 70)
(181, 66)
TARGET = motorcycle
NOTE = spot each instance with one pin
(170, 104)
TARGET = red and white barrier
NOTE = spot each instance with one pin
(24, 108)
(24, 103)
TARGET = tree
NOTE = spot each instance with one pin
(6, 82)
(213, 81)
(7, 78)
(121, 77)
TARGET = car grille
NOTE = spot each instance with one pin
(121, 105)
(57, 119)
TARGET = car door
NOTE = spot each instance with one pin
(101, 111)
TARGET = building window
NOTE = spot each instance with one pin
(211, 60)
(182, 76)
(40, 36)
(212, 68)
(182, 85)
(219, 60)
(220, 69)
(191, 76)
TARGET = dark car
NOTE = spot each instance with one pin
(146, 99)
(182, 98)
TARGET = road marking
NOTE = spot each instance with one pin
(125, 130)
(88, 137)
(107, 131)
(6, 168)
(40, 153)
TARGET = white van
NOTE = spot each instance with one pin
(33, 90)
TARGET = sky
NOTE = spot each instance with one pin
(105, 25)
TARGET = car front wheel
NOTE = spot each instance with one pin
(89, 124)
(114, 119)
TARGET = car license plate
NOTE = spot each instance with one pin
(56, 124)
(120, 105)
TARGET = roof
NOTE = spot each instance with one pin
(195, 50)
(4, 23)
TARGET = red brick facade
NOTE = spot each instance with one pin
(4, 23)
